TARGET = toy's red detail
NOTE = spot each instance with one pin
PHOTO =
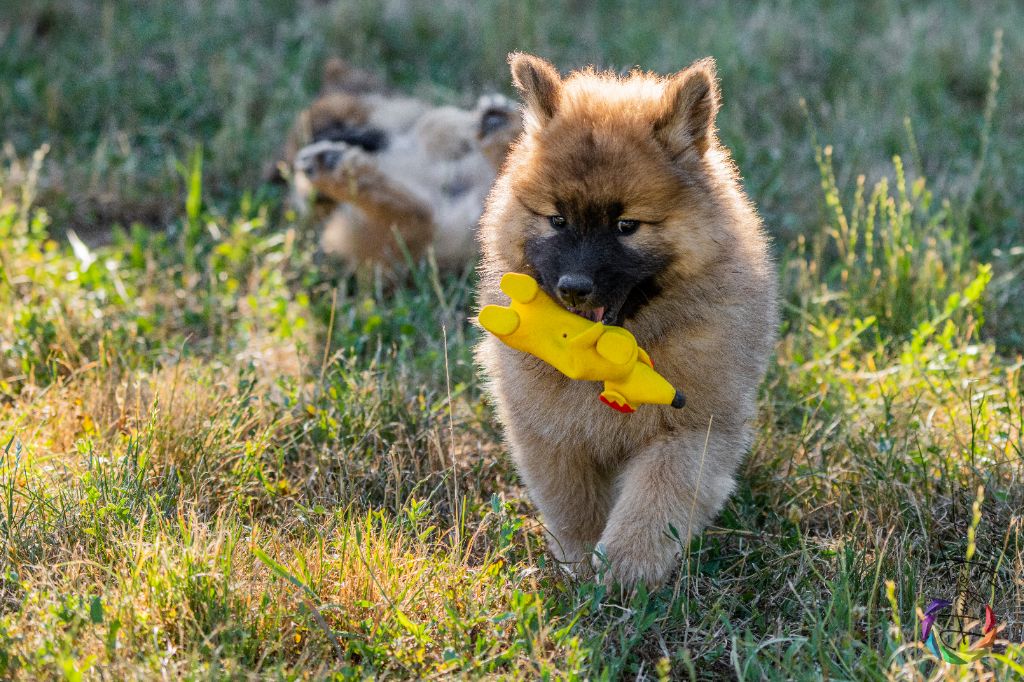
(624, 409)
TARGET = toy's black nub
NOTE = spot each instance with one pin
(679, 401)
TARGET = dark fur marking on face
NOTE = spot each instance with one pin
(588, 216)
(641, 295)
(589, 246)
(368, 139)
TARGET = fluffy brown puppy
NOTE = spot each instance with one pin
(620, 201)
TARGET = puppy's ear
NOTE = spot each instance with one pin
(687, 124)
(539, 84)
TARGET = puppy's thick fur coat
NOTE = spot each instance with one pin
(621, 202)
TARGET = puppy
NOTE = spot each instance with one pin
(621, 202)
(391, 173)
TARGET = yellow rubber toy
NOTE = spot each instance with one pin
(577, 347)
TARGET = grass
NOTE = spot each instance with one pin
(218, 459)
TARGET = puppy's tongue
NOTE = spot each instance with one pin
(595, 315)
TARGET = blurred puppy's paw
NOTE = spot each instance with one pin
(329, 158)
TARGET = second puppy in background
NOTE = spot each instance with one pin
(390, 172)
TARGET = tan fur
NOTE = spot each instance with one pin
(599, 478)
(427, 184)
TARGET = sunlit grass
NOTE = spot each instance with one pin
(220, 457)
(284, 472)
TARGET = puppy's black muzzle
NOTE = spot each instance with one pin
(575, 290)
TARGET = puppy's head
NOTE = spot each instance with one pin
(332, 117)
(612, 189)
(341, 117)
(338, 114)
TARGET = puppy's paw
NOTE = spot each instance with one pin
(328, 159)
(496, 112)
(628, 559)
(500, 122)
(572, 557)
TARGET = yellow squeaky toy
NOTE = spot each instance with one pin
(577, 347)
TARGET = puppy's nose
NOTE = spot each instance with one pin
(575, 289)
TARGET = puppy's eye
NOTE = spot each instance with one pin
(627, 227)
(557, 222)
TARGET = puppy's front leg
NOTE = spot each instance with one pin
(574, 497)
(674, 483)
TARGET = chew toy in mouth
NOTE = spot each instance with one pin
(579, 345)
